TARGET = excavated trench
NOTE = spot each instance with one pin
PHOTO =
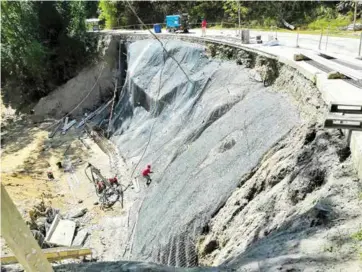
(222, 134)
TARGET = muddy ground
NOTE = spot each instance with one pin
(27, 155)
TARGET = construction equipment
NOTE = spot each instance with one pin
(177, 22)
(106, 189)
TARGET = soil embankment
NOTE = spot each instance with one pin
(204, 132)
(219, 131)
(245, 176)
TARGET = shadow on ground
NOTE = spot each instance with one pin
(130, 266)
(16, 136)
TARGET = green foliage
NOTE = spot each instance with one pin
(212, 11)
(91, 9)
(43, 45)
(358, 235)
(22, 53)
(233, 8)
(324, 23)
(109, 13)
(77, 27)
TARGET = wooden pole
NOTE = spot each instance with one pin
(19, 237)
(355, 15)
(276, 32)
(360, 46)
(327, 38)
(320, 40)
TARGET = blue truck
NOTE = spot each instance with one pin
(177, 22)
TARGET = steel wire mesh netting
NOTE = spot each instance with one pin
(202, 136)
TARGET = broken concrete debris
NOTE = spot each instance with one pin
(50, 229)
(68, 126)
(80, 238)
(78, 213)
(64, 125)
(61, 232)
(65, 122)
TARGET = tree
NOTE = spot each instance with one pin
(91, 9)
(22, 54)
(109, 12)
(43, 44)
(235, 11)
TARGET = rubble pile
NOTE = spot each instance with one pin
(45, 221)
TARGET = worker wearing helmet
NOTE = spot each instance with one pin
(203, 27)
(146, 174)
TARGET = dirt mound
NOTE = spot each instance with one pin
(92, 86)
(98, 80)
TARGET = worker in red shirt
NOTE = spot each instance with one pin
(146, 174)
(100, 186)
(203, 27)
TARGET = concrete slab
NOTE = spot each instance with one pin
(52, 227)
(337, 89)
(61, 232)
(348, 59)
(80, 238)
(354, 74)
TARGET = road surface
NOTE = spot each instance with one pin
(344, 46)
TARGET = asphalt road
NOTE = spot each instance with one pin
(344, 46)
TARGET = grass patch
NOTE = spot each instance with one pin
(334, 24)
(358, 235)
(332, 33)
(314, 28)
